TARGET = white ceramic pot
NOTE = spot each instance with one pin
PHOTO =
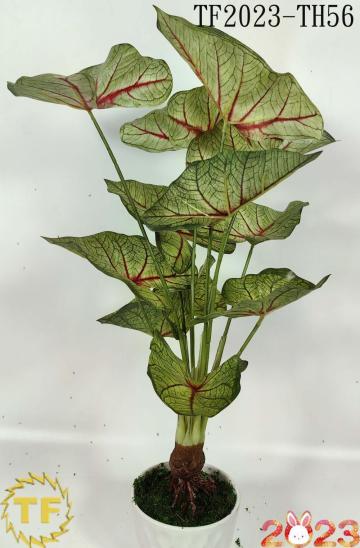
(154, 534)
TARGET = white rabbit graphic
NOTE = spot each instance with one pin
(299, 530)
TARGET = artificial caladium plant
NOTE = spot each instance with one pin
(246, 129)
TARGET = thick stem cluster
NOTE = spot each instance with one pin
(187, 459)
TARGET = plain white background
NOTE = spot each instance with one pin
(74, 395)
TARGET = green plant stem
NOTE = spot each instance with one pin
(228, 231)
(221, 347)
(192, 329)
(251, 334)
(248, 259)
(191, 430)
(204, 345)
(110, 152)
(208, 268)
(222, 342)
(211, 291)
(119, 172)
(209, 306)
(182, 337)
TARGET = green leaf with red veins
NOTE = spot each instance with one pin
(256, 223)
(260, 294)
(125, 79)
(185, 396)
(307, 145)
(149, 295)
(211, 191)
(128, 79)
(144, 195)
(131, 316)
(158, 132)
(123, 257)
(181, 300)
(155, 132)
(164, 130)
(208, 144)
(261, 103)
(161, 319)
(263, 108)
(193, 110)
(175, 249)
(188, 114)
(158, 317)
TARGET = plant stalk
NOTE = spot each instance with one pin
(221, 347)
(211, 291)
(248, 259)
(222, 342)
(251, 334)
(192, 329)
(182, 337)
(191, 430)
(204, 345)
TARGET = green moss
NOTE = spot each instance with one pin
(153, 496)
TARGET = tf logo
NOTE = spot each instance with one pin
(37, 510)
(298, 531)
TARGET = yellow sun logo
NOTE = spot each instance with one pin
(37, 510)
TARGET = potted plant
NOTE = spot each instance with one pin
(246, 129)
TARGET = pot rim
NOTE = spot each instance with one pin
(209, 468)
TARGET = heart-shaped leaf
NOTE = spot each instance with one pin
(210, 191)
(260, 294)
(125, 79)
(191, 119)
(248, 93)
(123, 257)
(256, 223)
(185, 396)
(144, 196)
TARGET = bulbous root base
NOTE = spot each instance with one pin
(186, 464)
(186, 491)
